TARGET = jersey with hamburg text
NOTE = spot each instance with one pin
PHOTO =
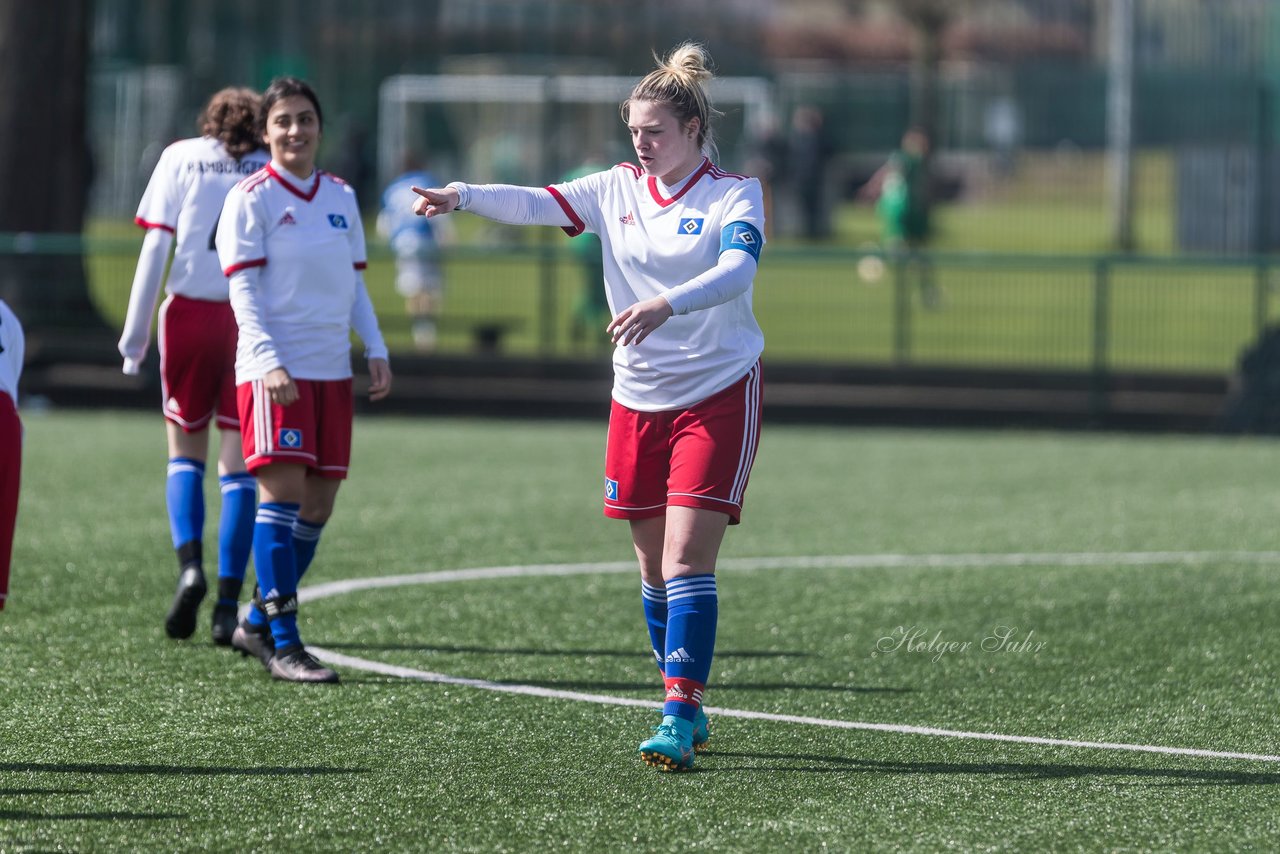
(184, 197)
(655, 238)
(305, 243)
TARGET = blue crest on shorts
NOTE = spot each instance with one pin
(288, 437)
(610, 489)
(337, 220)
(691, 225)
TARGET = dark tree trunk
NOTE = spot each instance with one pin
(45, 165)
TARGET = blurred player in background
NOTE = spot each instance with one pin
(901, 188)
(12, 351)
(197, 337)
(681, 242)
(415, 241)
(591, 309)
(291, 240)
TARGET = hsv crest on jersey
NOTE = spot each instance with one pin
(691, 225)
(744, 235)
(287, 219)
(289, 438)
(611, 489)
(337, 220)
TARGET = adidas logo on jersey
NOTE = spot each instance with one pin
(629, 219)
(287, 219)
(680, 656)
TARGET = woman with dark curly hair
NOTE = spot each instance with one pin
(197, 338)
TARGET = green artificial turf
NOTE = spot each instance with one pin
(116, 738)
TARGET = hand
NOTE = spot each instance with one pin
(435, 202)
(633, 325)
(379, 379)
(281, 389)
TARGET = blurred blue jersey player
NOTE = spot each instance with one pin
(415, 241)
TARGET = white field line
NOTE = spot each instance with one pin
(337, 588)
(881, 561)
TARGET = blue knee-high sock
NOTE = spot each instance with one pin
(692, 609)
(655, 617)
(306, 536)
(277, 573)
(184, 495)
(235, 529)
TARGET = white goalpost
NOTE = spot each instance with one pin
(530, 129)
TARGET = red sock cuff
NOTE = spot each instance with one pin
(681, 690)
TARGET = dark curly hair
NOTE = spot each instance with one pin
(231, 117)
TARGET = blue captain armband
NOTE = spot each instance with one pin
(741, 235)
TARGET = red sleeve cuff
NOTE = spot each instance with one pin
(244, 265)
(142, 222)
(578, 225)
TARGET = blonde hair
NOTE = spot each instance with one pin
(679, 83)
(231, 117)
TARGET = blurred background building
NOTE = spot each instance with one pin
(1102, 173)
(996, 82)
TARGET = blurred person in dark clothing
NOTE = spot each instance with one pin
(808, 150)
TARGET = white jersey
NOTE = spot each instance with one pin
(294, 251)
(12, 350)
(656, 238)
(184, 197)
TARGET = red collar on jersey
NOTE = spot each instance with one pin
(288, 185)
(703, 169)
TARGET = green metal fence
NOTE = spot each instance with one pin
(1094, 314)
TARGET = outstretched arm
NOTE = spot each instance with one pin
(498, 202)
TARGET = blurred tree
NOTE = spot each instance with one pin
(45, 164)
(928, 20)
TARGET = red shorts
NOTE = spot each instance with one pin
(314, 430)
(198, 363)
(10, 474)
(696, 457)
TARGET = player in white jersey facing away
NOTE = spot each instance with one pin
(681, 241)
(12, 352)
(292, 243)
(197, 338)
